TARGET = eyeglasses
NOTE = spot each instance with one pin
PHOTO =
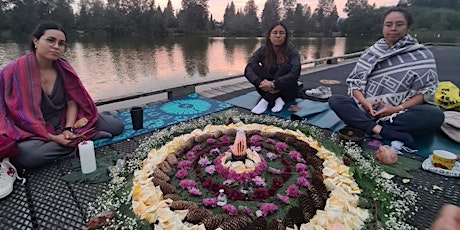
(50, 41)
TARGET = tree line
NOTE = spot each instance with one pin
(142, 17)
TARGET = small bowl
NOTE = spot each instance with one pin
(352, 134)
(443, 159)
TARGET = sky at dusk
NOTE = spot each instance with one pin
(217, 7)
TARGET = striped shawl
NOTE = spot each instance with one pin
(395, 74)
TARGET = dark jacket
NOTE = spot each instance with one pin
(283, 82)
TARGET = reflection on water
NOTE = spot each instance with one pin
(117, 68)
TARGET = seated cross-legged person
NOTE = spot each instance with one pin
(392, 86)
(274, 70)
(44, 106)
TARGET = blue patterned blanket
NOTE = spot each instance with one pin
(160, 115)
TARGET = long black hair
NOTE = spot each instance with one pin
(280, 54)
(40, 30)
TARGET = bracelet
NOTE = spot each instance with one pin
(402, 108)
(68, 129)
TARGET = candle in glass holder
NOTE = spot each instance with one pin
(239, 146)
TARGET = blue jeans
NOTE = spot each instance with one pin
(417, 120)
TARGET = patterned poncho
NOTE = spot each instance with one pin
(21, 93)
(395, 74)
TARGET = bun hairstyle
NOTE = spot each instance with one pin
(401, 8)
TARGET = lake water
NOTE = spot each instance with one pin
(125, 67)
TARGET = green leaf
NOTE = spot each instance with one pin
(402, 167)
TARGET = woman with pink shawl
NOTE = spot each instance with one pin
(43, 104)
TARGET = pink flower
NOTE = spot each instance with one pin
(292, 190)
(300, 167)
(304, 174)
(271, 155)
(261, 193)
(302, 181)
(254, 139)
(187, 184)
(246, 210)
(194, 191)
(196, 148)
(181, 174)
(231, 209)
(270, 141)
(259, 181)
(284, 199)
(210, 141)
(210, 202)
(185, 164)
(224, 139)
(204, 161)
(210, 169)
(190, 155)
(267, 208)
(280, 146)
(274, 170)
(296, 156)
(231, 174)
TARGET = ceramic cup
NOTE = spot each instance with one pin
(443, 159)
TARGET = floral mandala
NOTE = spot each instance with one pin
(178, 184)
(141, 194)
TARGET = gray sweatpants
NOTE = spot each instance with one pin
(33, 153)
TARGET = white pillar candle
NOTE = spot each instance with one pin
(87, 157)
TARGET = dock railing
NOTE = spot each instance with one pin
(190, 88)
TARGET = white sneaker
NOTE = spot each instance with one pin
(321, 92)
(8, 175)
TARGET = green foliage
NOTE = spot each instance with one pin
(363, 19)
(402, 167)
(193, 18)
(301, 20)
(445, 19)
(134, 17)
(270, 14)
